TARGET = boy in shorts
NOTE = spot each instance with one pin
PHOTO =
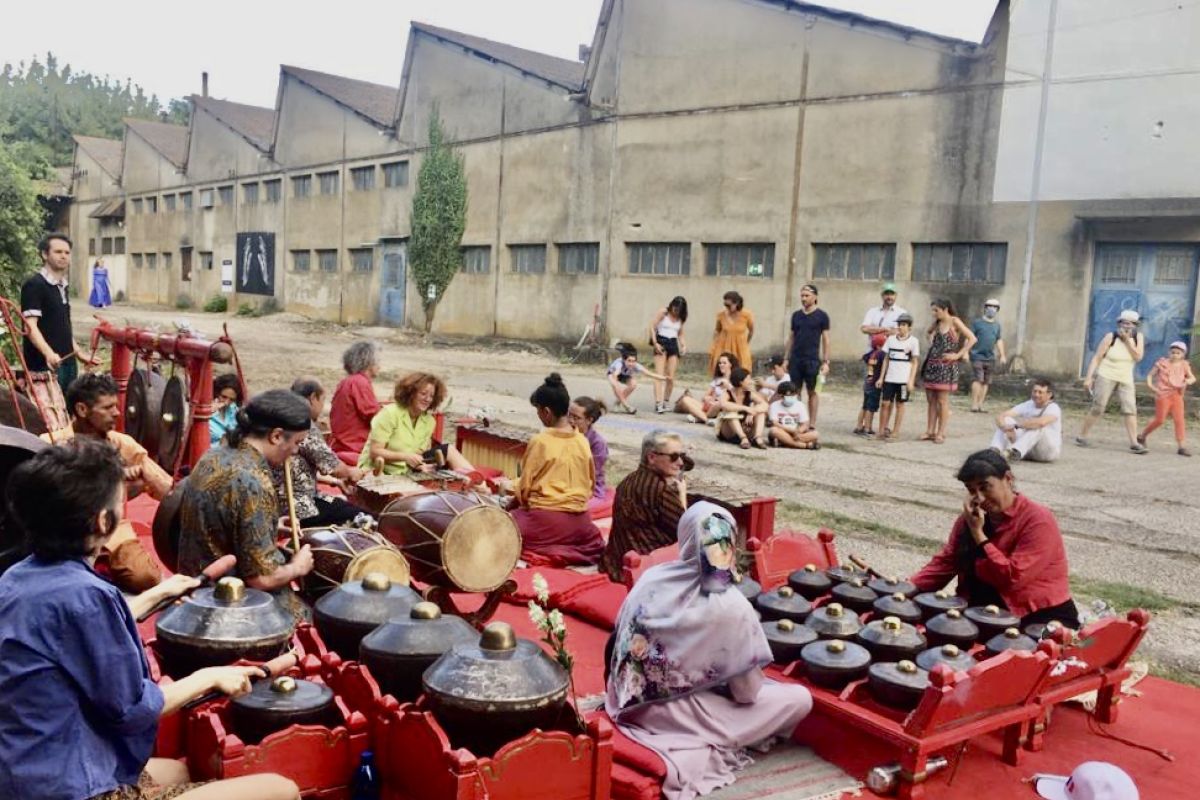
(873, 359)
(623, 374)
(898, 375)
(789, 420)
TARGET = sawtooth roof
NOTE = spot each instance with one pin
(255, 124)
(169, 140)
(560, 71)
(108, 153)
(372, 100)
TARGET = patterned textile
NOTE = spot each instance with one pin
(229, 506)
(314, 458)
(645, 517)
(147, 789)
(938, 373)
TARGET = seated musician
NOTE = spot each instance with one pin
(584, 413)
(227, 399)
(402, 433)
(78, 711)
(229, 504)
(557, 474)
(354, 404)
(685, 672)
(314, 459)
(92, 403)
(650, 500)
(1005, 549)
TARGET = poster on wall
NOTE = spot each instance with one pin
(256, 263)
(227, 275)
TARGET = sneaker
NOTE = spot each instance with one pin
(711, 422)
(1141, 439)
(1183, 451)
(1082, 442)
(868, 434)
(692, 419)
(660, 407)
(1139, 449)
(1013, 454)
(859, 431)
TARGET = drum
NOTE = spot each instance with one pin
(347, 554)
(454, 539)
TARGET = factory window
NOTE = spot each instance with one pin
(1174, 266)
(166, 261)
(250, 194)
(137, 261)
(329, 182)
(206, 260)
(528, 258)
(363, 259)
(151, 261)
(395, 174)
(225, 195)
(106, 246)
(91, 247)
(739, 260)
(151, 205)
(185, 200)
(854, 262)
(982, 262)
(363, 178)
(301, 185)
(206, 198)
(327, 260)
(579, 258)
(660, 258)
(301, 260)
(119, 246)
(273, 189)
(168, 202)
(137, 205)
(477, 260)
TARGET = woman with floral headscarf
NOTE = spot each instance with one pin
(686, 669)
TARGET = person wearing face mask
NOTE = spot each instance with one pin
(986, 353)
(789, 420)
(685, 664)
(1004, 549)
(1111, 370)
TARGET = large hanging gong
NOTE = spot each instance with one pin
(18, 411)
(173, 420)
(166, 527)
(143, 404)
(16, 447)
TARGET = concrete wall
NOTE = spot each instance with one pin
(145, 169)
(215, 151)
(312, 129)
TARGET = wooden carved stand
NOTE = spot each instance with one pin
(444, 599)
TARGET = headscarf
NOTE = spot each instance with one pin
(682, 628)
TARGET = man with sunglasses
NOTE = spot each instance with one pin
(649, 501)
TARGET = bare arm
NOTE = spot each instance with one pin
(53, 359)
(1105, 343)
(1000, 423)
(882, 371)
(1000, 351)
(969, 339)
(662, 312)
(231, 681)
(378, 450)
(300, 565)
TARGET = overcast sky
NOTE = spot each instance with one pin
(241, 43)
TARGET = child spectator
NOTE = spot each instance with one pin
(898, 377)
(1169, 378)
(745, 410)
(789, 420)
(873, 358)
(770, 384)
(623, 374)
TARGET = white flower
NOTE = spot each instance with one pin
(537, 615)
(541, 588)
(558, 626)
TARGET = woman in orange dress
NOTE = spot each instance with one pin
(735, 329)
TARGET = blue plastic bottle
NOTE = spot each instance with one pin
(366, 781)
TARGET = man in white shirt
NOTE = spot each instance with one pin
(1031, 431)
(882, 318)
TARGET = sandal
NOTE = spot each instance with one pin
(926, 437)
(744, 443)
(760, 443)
(939, 439)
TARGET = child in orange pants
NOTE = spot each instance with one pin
(1169, 379)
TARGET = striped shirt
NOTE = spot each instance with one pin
(646, 515)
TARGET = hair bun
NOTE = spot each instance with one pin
(554, 379)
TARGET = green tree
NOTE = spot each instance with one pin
(20, 225)
(439, 216)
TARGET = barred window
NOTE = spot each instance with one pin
(579, 258)
(1174, 265)
(168, 202)
(185, 200)
(137, 205)
(151, 261)
(740, 260)
(1118, 264)
(206, 260)
(91, 247)
(301, 185)
(273, 190)
(327, 260)
(106, 246)
(395, 174)
(119, 246)
(250, 193)
(138, 263)
(528, 258)
(363, 178)
(301, 260)
(363, 259)
(982, 262)
(477, 259)
(854, 262)
(329, 182)
(225, 195)
(654, 258)
(151, 205)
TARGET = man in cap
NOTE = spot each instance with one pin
(882, 318)
(986, 352)
(1111, 370)
(1091, 780)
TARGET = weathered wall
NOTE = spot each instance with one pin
(144, 168)
(215, 152)
(312, 129)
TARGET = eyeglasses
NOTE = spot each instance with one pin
(669, 456)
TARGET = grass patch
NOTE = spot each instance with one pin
(811, 517)
(1176, 674)
(1123, 596)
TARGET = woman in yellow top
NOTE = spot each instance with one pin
(557, 477)
(1111, 370)
(402, 432)
(735, 329)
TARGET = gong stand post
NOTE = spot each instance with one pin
(122, 368)
(200, 372)
(442, 597)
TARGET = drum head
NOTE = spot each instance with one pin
(387, 560)
(143, 400)
(480, 548)
(16, 447)
(173, 421)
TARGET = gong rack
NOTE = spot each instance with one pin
(17, 408)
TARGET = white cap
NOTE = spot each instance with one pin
(991, 301)
(1128, 315)
(1091, 780)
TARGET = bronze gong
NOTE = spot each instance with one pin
(143, 404)
(173, 420)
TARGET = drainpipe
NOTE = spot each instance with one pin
(1035, 186)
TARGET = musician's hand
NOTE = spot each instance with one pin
(231, 681)
(413, 460)
(302, 562)
(425, 467)
(133, 473)
(354, 474)
(53, 361)
(174, 586)
(86, 359)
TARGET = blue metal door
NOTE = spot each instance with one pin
(1156, 280)
(395, 283)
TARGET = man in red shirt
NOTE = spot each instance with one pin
(354, 404)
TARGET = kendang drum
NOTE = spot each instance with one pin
(459, 540)
(349, 554)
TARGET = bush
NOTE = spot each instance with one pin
(184, 301)
(269, 306)
(217, 304)
(247, 310)
(119, 297)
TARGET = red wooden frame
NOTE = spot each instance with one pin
(634, 564)
(787, 551)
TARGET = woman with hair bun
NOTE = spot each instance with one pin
(557, 479)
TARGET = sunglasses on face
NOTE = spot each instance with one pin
(669, 456)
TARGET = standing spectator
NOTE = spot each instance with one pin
(735, 329)
(666, 336)
(101, 296)
(1111, 370)
(808, 348)
(50, 349)
(789, 421)
(950, 342)
(1169, 379)
(898, 375)
(986, 353)
(1031, 431)
(873, 359)
(883, 318)
(354, 403)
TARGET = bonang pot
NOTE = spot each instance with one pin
(847, 572)
(749, 587)
(810, 582)
(951, 627)
(934, 603)
(835, 663)
(787, 639)
(355, 608)
(898, 684)
(399, 651)
(782, 603)
(948, 654)
(855, 594)
(992, 620)
(833, 621)
(1042, 630)
(1011, 639)
(889, 639)
(219, 625)
(277, 704)
(899, 606)
(892, 585)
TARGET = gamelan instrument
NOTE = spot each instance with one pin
(783, 603)
(342, 554)
(834, 663)
(280, 702)
(399, 651)
(16, 447)
(143, 407)
(499, 447)
(786, 639)
(374, 492)
(357, 607)
(276, 666)
(897, 683)
(889, 639)
(210, 573)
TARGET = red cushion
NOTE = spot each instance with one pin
(597, 604)
(561, 582)
(629, 784)
(634, 756)
(602, 508)
(348, 458)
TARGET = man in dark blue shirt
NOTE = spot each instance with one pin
(808, 348)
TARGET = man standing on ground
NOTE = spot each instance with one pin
(808, 348)
(882, 318)
(987, 351)
(1031, 431)
(50, 348)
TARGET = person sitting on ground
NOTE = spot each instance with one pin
(229, 504)
(789, 420)
(1004, 549)
(1031, 431)
(1111, 370)
(314, 459)
(584, 413)
(557, 476)
(897, 376)
(873, 365)
(718, 391)
(778, 367)
(79, 713)
(227, 399)
(402, 433)
(1169, 379)
(686, 670)
(354, 404)
(92, 403)
(743, 414)
(649, 502)
(623, 373)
